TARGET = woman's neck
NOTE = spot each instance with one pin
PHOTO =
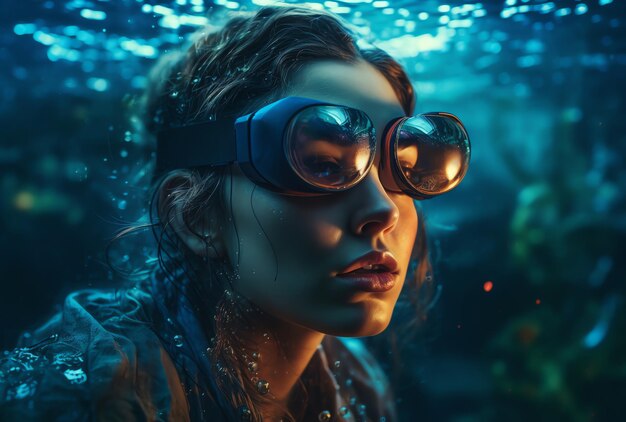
(283, 349)
(284, 359)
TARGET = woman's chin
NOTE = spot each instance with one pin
(361, 319)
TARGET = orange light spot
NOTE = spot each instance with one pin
(488, 286)
(538, 301)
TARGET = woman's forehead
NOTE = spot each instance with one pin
(358, 85)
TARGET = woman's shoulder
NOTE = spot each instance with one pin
(97, 356)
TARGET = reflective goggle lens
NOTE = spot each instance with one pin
(432, 151)
(330, 147)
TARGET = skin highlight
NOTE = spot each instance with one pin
(289, 249)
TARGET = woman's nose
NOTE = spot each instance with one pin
(375, 211)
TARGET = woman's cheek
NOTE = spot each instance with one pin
(307, 224)
(326, 235)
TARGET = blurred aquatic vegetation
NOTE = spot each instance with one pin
(550, 367)
(564, 359)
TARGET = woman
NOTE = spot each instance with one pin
(284, 218)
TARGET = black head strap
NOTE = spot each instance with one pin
(201, 144)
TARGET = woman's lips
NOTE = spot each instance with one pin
(370, 281)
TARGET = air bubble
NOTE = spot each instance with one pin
(22, 391)
(244, 413)
(178, 340)
(263, 386)
(324, 415)
(361, 409)
(75, 376)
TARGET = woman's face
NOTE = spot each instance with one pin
(303, 242)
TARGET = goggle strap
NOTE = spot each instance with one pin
(202, 144)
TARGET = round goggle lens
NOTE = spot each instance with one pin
(330, 147)
(433, 152)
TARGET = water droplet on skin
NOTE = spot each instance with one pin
(195, 80)
(252, 366)
(344, 411)
(324, 415)
(263, 387)
(178, 340)
(256, 355)
(352, 401)
(337, 364)
(349, 382)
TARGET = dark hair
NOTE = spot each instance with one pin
(238, 69)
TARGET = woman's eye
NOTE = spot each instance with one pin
(321, 166)
(324, 168)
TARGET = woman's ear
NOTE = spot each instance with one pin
(202, 233)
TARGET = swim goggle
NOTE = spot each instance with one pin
(305, 147)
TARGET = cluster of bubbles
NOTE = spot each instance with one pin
(19, 368)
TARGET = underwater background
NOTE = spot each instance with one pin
(528, 318)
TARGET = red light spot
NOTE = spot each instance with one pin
(487, 286)
(538, 301)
